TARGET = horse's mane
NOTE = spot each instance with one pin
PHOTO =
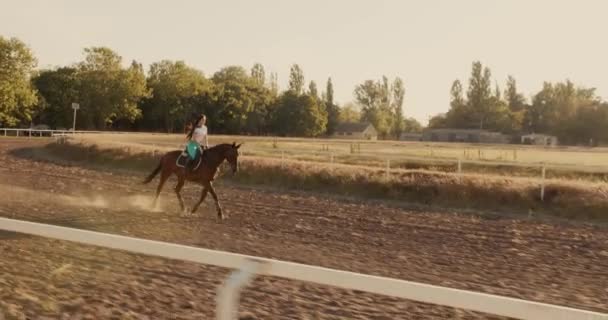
(220, 146)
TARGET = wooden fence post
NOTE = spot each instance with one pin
(542, 183)
(459, 170)
(388, 168)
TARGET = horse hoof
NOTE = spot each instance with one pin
(185, 213)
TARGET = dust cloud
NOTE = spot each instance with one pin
(99, 201)
(138, 202)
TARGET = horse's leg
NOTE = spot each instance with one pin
(220, 213)
(165, 174)
(202, 198)
(178, 189)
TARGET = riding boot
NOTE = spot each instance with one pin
(187, 165)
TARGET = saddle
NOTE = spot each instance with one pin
(183, 157)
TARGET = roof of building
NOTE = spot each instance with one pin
(456, 130)
(351, 127)
(538, 135)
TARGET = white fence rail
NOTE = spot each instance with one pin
(33, 131)
(492, 304)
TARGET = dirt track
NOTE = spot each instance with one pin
(48, 279)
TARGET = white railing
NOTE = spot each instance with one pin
(31, 132)
(227, 298)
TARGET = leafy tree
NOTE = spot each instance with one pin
(17, 96)
(373, 98)
(258, 74)
(175, 87)
(296, 79)
(232, 99)
(259, 120)
(411, 125)
(457, 100)
(349, 113)
(312, 116)
(515, 100)
(482, 108)
(398, 95)
(312, 89)
(58, 89)
(566, 111)
(299, 115)
(479, 94)
(239, 103)
(107, 91)
(438, 121)
(274, 84)
(459, 115)
(333, 111)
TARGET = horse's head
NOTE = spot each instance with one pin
(232, 156)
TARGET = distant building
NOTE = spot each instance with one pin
(410, 136)
(539, 139)
(464, 135)
(350, 130)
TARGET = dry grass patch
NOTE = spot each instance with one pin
(564, 198)
(507, 160)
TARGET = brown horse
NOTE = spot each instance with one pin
(203, 174)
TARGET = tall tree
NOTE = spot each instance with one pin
(274, 84)
(456, 93)
(109, 92)
(459, 115)
(398, 96)
(479, 95)
(17, 96)
(333, 111)
(258, 74)
(411, 125)
(438, 121)
(515, 100)
(299, 115)
(259, 118)
(329, 92)
(174, 88)
(296, 79)
(312, 89)
(58, 89)
(497, 93)
(350, 113)
(233, 99)
(565, 110)
(372, 98)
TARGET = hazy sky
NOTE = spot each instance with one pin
(429, 43)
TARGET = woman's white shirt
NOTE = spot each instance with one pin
(200, 135)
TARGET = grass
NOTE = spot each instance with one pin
(563, 198)
(524, 161)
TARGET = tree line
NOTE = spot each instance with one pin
(167, 96)
(576, 115)
(240, 101)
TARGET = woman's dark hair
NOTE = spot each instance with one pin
(189, 136)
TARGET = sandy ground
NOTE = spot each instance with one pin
(551, 262)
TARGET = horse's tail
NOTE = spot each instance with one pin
(154, 173)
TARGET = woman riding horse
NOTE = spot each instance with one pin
(196, 138)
